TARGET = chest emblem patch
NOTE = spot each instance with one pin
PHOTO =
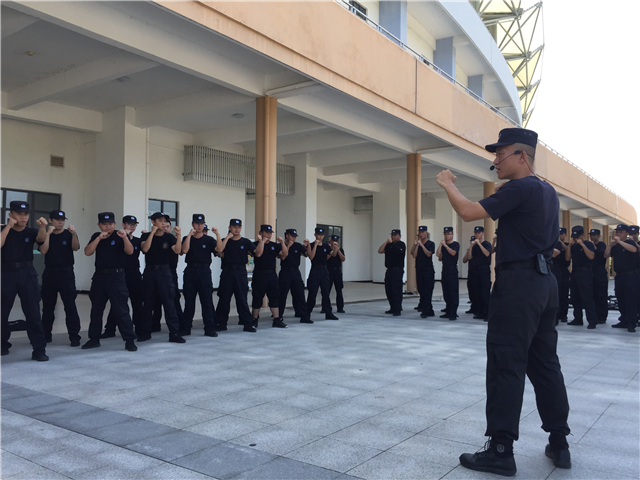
(64, 242)
(241, 247)
(165, 245)
(113, 242)
(26, 239)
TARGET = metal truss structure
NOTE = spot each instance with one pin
(519, 34)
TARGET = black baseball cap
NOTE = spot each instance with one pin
(396, 231)
(57, 215)
(624, 227)
(633, 228)
(577, 231)
(266, 228)
(206, 229)
(319, 231)
(106, 217)
(509, 136)
(562, 230)
(18, 206)
(478, 229)
(594, 231)
(235, 222)
(129, 219)
(291, 231)
(335, 238)
(158, 215)
(448, 229)
(422, 228)
(198, 218)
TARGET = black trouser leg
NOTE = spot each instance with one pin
(473, 286)
(335, 280)
(601, 294)
(563, 294)
(626, 293)
(205, 292)
(225, 292)
(285, 278)
(240, 291)
(49, 299)
(584, 290)
(190, 291)
(393, 287)
(425, 280)
(136, 296)
(313, 284)
(450, 290)
(68, 294)
(176, 298)
(484, 294)
(325, 291)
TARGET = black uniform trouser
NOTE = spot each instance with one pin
(451, 290)
(393, 288)
(318, 279)
(133, 279)
(157, 306)
(197, 281)
(291, 279)
(626, 289)
(233, 282)
(601, 293)
(425, 281)
(335, 280)
(582, 294)
(265, 282)
(480, 284)
(24, 283)
(111, 287)
(564, 280)
(472, 294)
(522, 340)
(63, 281)
(158, 284)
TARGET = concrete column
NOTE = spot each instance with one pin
(444, 56)
(475, 85)
(121, 177)
(389, 212)
(414, 213)
(566, 221)
(393, 18)
(587, 224)
(266, 169)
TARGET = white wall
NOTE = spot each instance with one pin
(335, 207)
(419, 39)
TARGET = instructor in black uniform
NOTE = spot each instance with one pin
(423, 250)
(394, 250)
(290, 277)
(521, 334)
(600, 278)
(20, 278)
(447, 253)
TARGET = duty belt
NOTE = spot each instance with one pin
(264, 271)
(57, 268)
(234, 267)
(581, 268)
(528, 264)
(16, 266)
(198, 265)
(159, 267)
(109, 270)
(289, 268)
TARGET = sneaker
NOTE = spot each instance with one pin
(221, 328)
(577, 323)
(631, 330)
(389, 312)
(92, 343)
(39, 356)
(591, 327)
(108, 334)
(176, 338)
(75, 342)
(143, 338)
(619, 325)
(306, 320)
(130, 346)
(561, 456)
(5, 351)
(330, 316)
(278, 323)
(488, 461)
(210, 333)
(396, 314)
(341, 310)
(423, 315)
(249, 328)
(185, 333)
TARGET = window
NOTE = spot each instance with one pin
(164, 206)
(41, 203)
(331, 230)
(358, 9)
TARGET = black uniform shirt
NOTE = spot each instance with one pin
(60, 253)
(528, 212)
(422, 261)
(267, 261)
(578, 256)
(200, 249)
(623, 260)
(236, 252)
(478, 258)
(132, 261)
(322, 251)
(160, 251)
(560, 261)
(292, 260)
(334, 262)
(394, 254)
(599, 261)
(18, 246)
(449, 260)
(110, 251)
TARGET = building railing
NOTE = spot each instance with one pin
(426, 61)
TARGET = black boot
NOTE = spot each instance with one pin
(497, 457)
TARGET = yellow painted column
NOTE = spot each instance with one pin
(266, 167)
(414, 213)
(488, 189)
(587, 224)
(566, 221)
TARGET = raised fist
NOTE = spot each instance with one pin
(51, 229)
(42, 222)
(259, 238)
(192, 232)
(215, 230)
(72, 229)
(306, 242)
(103, 235)
(280, 239)
(11, 222)
(177, 230)
(121, 233)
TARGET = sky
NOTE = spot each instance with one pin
(589, 98)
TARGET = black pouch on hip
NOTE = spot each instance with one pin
(542, 267)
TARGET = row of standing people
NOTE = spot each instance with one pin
(117, 277)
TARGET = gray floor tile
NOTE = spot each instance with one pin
(333, 454)
(226, 427)
(174, 445)
(224, 461)
(437, 450)
(287, 469)
(131, 431)
(371, 435)
(271, 413)
(275, 439)
(389, 465)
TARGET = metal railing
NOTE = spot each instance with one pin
(420, 57)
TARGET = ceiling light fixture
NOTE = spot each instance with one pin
(30, 53)
(238, 115)
(124, 79)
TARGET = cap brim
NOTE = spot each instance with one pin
(494, 146)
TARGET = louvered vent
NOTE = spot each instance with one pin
(57, 161)
(362, 205)
(204, 164)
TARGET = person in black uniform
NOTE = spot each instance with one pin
(160, 249)
(472, 296)
(447, 253)
(563, 275)
(600, 278)
(319, 253)
(479, 258)
(108, 283)
(157, 306)
(133, 278)
(58, 276)
(624, 252)
(334, 265)
(290, 278)
(199, 249)
(521, 334)
(582, 253)
(235, 250)
(394, 250)
(265, 279)
(20, 278)
(423, 250)
(634, 231)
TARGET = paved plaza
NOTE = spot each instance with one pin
(368, 397)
